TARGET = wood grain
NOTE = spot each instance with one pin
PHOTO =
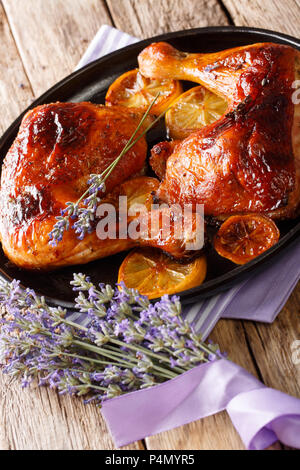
(271, 346)
(40, 419)
(15, 89)
(52, 35)
(211, 433)
(145, 18)
(278, 15)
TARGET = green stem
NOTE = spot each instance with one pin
(105, 174)
(155, 366)
(132, 142)
(207, 349)
(103, 389)
(129, 346)
(90, 359)
(97, 350)
(201, 345)
(104, 352)
(161, 372)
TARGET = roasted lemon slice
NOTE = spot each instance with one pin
(154, 274)
(139, 192)
(196, 108)
(243, 237)
(133, 90)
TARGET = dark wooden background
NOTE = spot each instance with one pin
(41, 41)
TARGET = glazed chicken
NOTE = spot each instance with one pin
(57, 148)
(248, 160)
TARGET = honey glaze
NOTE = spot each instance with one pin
(245, 160)
(58, 147)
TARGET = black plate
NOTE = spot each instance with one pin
(90, 84)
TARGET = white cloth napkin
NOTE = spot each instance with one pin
(262, 294)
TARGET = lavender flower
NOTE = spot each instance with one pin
(96, 184)
(56, 234)
(85, 214)
(124, 344)
(63, 222)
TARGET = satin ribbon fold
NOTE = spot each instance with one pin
(261, 415)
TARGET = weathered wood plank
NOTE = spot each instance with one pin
(52, 35)
(211, 433)
(272, 347)
(15, 89)
(145, 18)
(270, 14)
(40, 419)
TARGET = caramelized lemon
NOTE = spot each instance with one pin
(154, 274)
(196, 108)
(139, 191)
(243, 237)
(133, 90)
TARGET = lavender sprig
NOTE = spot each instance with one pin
(84, 209)
(124, 343)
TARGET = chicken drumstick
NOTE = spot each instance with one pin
(248, 160)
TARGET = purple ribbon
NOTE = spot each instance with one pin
(261, 415)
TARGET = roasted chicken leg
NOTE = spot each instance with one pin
(58, 146)
(248, 160)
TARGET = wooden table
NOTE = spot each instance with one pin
(41, 41)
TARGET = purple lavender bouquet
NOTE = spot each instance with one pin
(122, 343)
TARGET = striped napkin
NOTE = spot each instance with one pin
(260, 296)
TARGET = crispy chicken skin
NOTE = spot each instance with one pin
(248, 160)
(58, 146)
